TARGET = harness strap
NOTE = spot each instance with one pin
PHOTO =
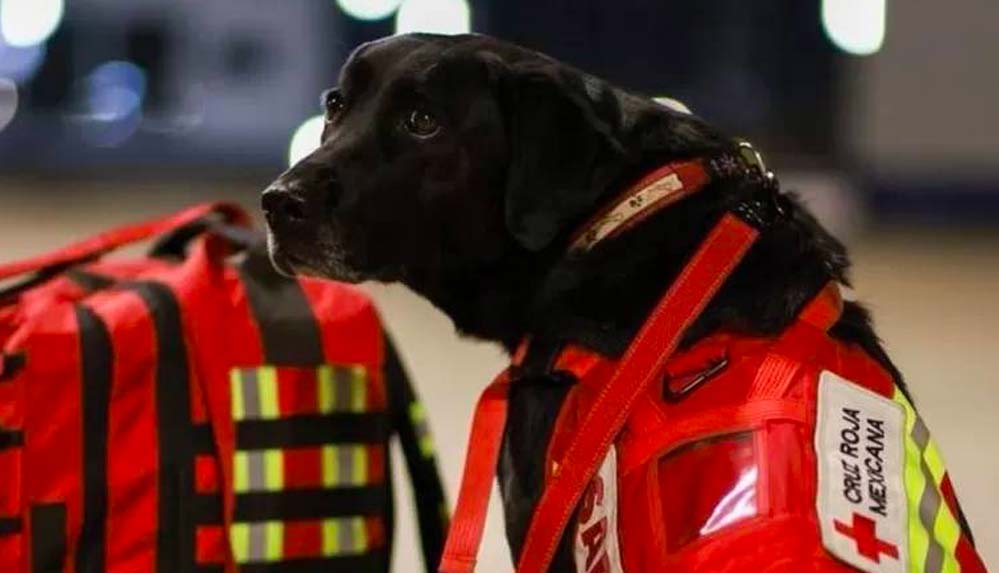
(659, 337)
(465, 533)
(652, 193)
(670, 184)
(778, 371)
(824, 310)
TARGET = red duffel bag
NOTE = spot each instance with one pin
(194, 411)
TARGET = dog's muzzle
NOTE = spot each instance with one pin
(302, 240)
(288, 220)
(284, 207)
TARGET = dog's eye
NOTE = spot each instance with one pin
(334, 103)
(421, 123)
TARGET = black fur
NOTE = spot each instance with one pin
(478, 217)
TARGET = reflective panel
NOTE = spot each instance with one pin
(706, 486)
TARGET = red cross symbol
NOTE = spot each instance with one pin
(863, 532)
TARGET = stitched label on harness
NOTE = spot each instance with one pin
(647, 197)
(861, 502)
(596, 547)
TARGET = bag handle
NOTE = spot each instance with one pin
(175, 244)
(99, 245)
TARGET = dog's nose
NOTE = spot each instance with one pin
(281, 204)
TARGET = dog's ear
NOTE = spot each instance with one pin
(564, 150)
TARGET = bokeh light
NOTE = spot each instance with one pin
(29, 22)
(433, 16)
(111, 100)
(368, 9)
(855, 26)
(306, 139)
(20, 63)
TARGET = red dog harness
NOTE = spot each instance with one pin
(801, 455)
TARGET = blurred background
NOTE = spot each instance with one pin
(883, 116)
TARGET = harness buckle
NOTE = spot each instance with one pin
(744, 162)
(764, 207)
(675, 396)
(752, 156)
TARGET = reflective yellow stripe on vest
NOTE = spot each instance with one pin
(258, 470)
(933, 529)
(263, 541)
(255, 399)
(254, 394)
(345, 465)
(342, 389)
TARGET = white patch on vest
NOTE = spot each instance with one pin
(862, 506)
(596, 547)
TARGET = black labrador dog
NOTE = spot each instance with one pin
(461, 166)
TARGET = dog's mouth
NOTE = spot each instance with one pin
(323, 259)
(282, 262)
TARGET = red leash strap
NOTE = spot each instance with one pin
(465, 533)
(824, 310)
(710, 266)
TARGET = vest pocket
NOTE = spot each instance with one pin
(706, 486)
(706, 471)
(788, 465)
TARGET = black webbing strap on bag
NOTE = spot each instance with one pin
(289, 331)
(291, 337)
(175, 542)
(409, 422)
(48, 538)
(96, 363)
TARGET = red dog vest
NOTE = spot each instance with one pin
(794, 454)
(787, 454)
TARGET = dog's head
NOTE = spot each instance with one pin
(443, 153)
